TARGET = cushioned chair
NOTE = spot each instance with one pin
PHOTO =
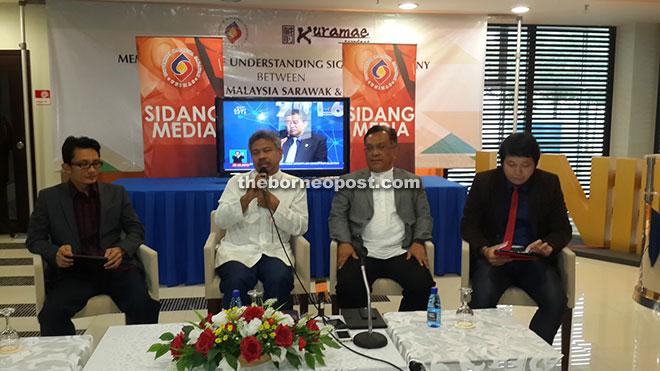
(516, 296)
(101, 304)
(300, 248)
(382, 286)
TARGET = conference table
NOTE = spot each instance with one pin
(176, 215)
(497, 342)
(124, 348)
(49, 353)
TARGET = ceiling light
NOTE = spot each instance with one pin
(520, 9)
(407, 6)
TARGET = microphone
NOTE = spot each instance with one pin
(263, 170)
(321, 296)
(367, 339)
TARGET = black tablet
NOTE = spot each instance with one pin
(89, 261)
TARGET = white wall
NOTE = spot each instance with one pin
(37, 42)
(636, 67)
(633, 116)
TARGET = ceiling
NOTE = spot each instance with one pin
(563, 12)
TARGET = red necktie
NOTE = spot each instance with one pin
(511, 222)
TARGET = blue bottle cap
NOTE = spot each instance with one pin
(237, 293)
(434, 290)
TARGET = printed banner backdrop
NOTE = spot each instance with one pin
(380, 80)
(179, 80)
(96, 90)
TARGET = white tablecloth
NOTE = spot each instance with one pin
(496, 342)
(124, 348)
(49, 353)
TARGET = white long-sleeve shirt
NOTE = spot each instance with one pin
(251, 235)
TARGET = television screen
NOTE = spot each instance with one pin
(313, 133)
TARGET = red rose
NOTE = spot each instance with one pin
(311, 324)
(252, 312)
(250, 348)
(205, 341)
(178, 344)
(207, 319)
(301, 343)
(283, 336)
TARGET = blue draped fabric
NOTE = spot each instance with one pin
(176, 216)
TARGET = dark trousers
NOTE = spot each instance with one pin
(70, 293)
(539, 279)
(416, 281)
(276, 277)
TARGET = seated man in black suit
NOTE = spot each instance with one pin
(87, 217)
(518, 205)
(299, 145)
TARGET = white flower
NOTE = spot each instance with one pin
(270, 302)
(279, 358)
(220, 318)
(194, 335)
(251, 328)
(268, 313)
(283, 319)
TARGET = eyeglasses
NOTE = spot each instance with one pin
(86, 165)
(380, 148)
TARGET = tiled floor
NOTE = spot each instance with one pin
(610, 331)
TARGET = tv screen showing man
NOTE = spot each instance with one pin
(299, 144)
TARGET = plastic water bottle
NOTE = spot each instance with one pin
(433, 314)
(235, 299)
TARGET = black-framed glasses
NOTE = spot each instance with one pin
(86, 165)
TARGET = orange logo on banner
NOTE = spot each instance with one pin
(381, 72)
(233, 32)
(181, 68)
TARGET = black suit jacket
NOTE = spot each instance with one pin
(311, 149)
(53, 223)
(484, 215)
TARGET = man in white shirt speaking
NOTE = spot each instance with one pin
(382, 214)
(251, 250)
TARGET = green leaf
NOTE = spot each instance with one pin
(309, 359)
(319, 359)
(181, 366)
(232, 361)
(329, 342)
(293, 359)
(154, 347)
(186, 330)
(213, 352)
(210, 365)
(168, 336)
(277, 351)
(161, 351)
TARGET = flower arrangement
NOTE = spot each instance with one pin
(249, 335)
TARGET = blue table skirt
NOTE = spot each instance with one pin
(176, 217)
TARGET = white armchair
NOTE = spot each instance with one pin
(516, 296)
(101, 304)
(383, 286)
(300, 248)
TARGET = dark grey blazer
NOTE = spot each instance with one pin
(352, 210)
(53, 223)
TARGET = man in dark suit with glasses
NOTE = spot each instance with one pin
(85, 217)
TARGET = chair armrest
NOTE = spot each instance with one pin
(39, 282)
(300, 247)
(209, 257)
(149, 259)
(332, 282)
(465, 264)
(566, 265)
(430, 255)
